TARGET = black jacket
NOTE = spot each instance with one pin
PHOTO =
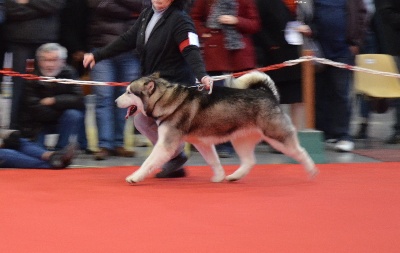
(68, 96)
(271, 46)
(35, 22)
(110, 18)
(161, 53)
(2, 14)
(389, 12)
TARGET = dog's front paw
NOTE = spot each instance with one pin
(312, 173)
(135, 177)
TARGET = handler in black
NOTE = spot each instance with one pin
(166, 40)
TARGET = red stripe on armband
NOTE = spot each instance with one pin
(184, 44)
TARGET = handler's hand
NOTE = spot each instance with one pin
(207, 81)
(48, 101)
(22, 1)
(355, 50)
(88, 60)
(305, 30)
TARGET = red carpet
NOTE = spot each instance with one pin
(347, 208)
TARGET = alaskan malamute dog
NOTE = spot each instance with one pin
(245, 113)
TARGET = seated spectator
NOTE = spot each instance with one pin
(16, 152)
(52, 107)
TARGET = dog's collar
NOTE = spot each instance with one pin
(201, 87)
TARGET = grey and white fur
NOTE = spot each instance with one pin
(244, 114)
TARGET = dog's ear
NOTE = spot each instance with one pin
(155, 75)
(150, 87)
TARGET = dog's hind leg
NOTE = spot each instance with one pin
(291, 147)
(244, 148)
(210, 155)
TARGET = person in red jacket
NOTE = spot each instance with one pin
(225, 28)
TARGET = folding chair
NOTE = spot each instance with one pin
(373, 85)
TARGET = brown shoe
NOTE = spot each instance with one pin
(121, 151)
(102, 154)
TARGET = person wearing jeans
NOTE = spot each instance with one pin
(52, 107)
(69, 125)
(16, 152)
(111, 119)
(333, 104)
(107, 20)
(339, 27)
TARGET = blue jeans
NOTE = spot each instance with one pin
(111, 119)
(333, 105)
(69, 125)
(28, 156)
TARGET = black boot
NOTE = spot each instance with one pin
(173, 168)
(394, 139)
(12, 140)
(63, 158)
(362, 132)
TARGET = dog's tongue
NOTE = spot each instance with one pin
(131, 110)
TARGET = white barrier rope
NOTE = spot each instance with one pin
(215, 78)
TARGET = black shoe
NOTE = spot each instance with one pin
(173, 168)
(12, 140)
(63, 158)
(395, 139)
(174, 174)
(88, 151)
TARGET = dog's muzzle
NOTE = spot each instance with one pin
(131, 110)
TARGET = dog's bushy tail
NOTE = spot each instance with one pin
(255, 80)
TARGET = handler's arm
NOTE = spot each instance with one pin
(123, 43)
(188, 41)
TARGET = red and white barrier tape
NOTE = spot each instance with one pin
(9, 72)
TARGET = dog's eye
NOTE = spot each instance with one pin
(128, 92)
